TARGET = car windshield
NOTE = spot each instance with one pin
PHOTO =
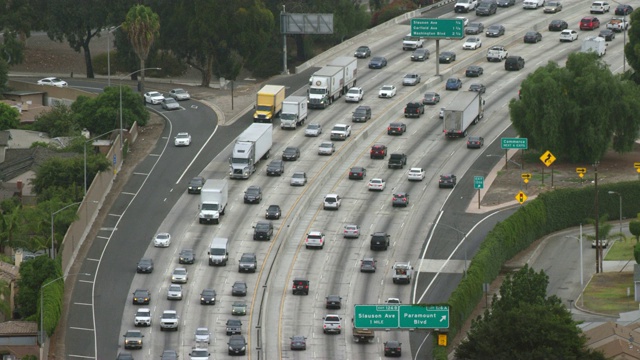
(387, 87)
(332, 318)
(313, 126)
(253, 191)
(317, 91)
(199, 353)
(179, 272)
(208, 293)
(196, 182)
(354, 91)
(363, 48)
(367, 262)
(170, 101)
(298, 176)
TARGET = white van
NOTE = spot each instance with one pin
(218, 251)
(532, 4)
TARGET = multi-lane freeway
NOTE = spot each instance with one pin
(429, 232)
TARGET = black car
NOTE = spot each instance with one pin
(607, 34)
(291, 153)
(239, 288)
(333, 302)
(431, 98)
(447, 57)
(413, 109)
(145, 266)
(141, 297)
(448, 180)
(396, 128)
(480, 88)
(495, 31)
(558, 25)
(368, 265)
(234, 326)
(475, 142)
(486, 8)
(208, 297)
(169, 355)
(506, 3)
(195, 185)
(298, 342)
(357, 173)
(273, 212)
(253, 195)
(393, 348)
(300, 287)
(275, 168)
(474, 28)
(237, 345)
(474, 71)
(377, 62)
(532, 37)
(623, 9)
(420, 55)
(514, 63)
(263, 230)
(400, 199)
(379, 241)
(186, 256)
(362, 52)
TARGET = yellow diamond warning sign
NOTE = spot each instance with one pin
(521, 197)
(547, 158)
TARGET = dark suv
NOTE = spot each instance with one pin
(263, 230)
(414, 109)
(514, 62)
(195, 185)
(275, 168)
(396, 128)
(362, 114)
(378, 151)
(397, 161)
(300, 287)
(486, 8)
(447, 180)
(379, 241)
(237, 345)
(253, 195)
(273, 212)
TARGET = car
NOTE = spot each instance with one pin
(400, 199)
(514, 63)
(52, 81)
(416, 174)
(397, 161)
(332, 324)
(377, 62)
(174, 292)
(313, 130)
(495, 30)
(314, 239)
(475, 142)
(273, 212)
(186, 256)
(393, 300)
(331, 201)
(599, 7)
(153, 97)
(253, 195)
(133, 339)
(291, 153)
(169, 320)
(474, 28)
(453, 84)
(368, 265)
(351, 231)
(300, 286)
(195, 185)
(387, 91)
(362, 52)
(472, 43)
(558, 25)
(179, 94)
(465, 21)
(420, 55)
(355, 94)
(411, 80)
(275, 168)
(474, 71)
(239, 288)
(396, 128)
(480, 88)
(298, 342)
(237, 345)
(376, 184)
(607, 34)
(199, 353)
(142, 317)
(603, 243)
(589, 23)
(179, 276)
(552, 7)
(162, 240)
(263, 230)
(447, 57)
(333, 302)
(357, 173)
(362, 114)
(298, 178)
(239, 308)
(170, 104)
(379, 241)
(234, 326)
(486, 8)
(623, 10)
(182, 139)
(414, 109)
(248, 262)
(568, 35)
(378, 151)
(431, 98)
(393, 348)
(340, 132)
(497, 53)
(441, 113)
(145, 266)
(447, 180)
(532, 37)
(326, 148)
(208, 297)
(506, 3)
(169, 355)
(141, 297)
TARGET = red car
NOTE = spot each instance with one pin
(378, 151)
(589, 23)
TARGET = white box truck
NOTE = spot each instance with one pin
(326, 86)
(465, 109)
(294, 112)
(349, 66)
(596, 44)
(218, 251)
(213, 200)
(251, 146)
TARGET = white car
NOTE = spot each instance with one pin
(162, 240)
(326, 148)
(314, 239)
(387, 91)
(203, 335)
(472, 43)
(331, 201)
(182, 139)
(153, 97)
(53, 81)
(376, 184)
(313, 130)
(568, 35)
(441, 113)
(179, 275)
(465, 21)
(174, 292)
(415, 174)
(179, 94)
(355, 94)
(198, 353)
(600, 7)
(351, 231)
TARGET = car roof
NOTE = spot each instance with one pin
(331, 195)
(315, 233)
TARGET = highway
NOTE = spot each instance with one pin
(427, 232)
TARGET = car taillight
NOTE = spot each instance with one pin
(389, 128)
(394, 198)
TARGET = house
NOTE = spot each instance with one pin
(618, 342)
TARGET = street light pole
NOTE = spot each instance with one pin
(85, 157)
(619, 195)
(52, 217)
(135, 72)
(109, 54)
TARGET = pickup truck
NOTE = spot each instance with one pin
(465, 5)
(497, 53)
(397, 161)
(143, 317)
(411, 42)
(133, 339)
(402, 272)
(169, 320)
(332, 324)
(363, 335)
(414, 109)
(340, 132)
(234, 327)
(617, 24)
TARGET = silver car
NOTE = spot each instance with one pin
(326, 148)
(174, 292)
(179, 94)
(351, 231)
(299, 178)
(203, 335)
(179, 275)
(170, 104)
(313, 130)
(411, 79)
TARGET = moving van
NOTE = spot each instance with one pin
(218, 251)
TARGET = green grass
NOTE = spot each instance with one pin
(606, 293)
(621, 250)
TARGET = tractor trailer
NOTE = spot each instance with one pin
(465, 109)
(251, 146)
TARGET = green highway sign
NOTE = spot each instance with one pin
(478, 182)
(437, 28)
(514, 143)
(401, 316)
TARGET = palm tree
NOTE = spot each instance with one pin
(142, 26)
(604, 229)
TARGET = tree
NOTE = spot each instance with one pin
(4, 75)
(632, 47)
(67, 173)
(142, 26)
(634, 229)
(59, 121)
(636, 253)
(33, 274)
(523, 323)
(9, 117)
(102, 114)
(557, 112)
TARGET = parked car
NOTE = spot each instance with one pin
(179, 94)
